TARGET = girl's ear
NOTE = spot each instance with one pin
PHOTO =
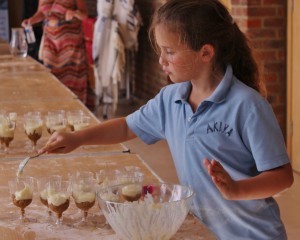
(207, 52)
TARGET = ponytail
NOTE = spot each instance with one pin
(244, 66)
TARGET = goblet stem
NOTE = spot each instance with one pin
(84, 217)
(6, 147)
(6, 150)
(34, 149)
(22, 215)
(59, 219)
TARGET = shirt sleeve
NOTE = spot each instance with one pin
(263, 136)
(148, 123)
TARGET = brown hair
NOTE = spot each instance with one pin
(200, 22)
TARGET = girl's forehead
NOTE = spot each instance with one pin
(165, 37)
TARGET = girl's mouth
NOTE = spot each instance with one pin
(166, 71)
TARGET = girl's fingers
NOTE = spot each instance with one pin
(206, 163)
(58, 150)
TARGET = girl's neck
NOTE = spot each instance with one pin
(203, 87)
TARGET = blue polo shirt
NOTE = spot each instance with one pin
(237, 127)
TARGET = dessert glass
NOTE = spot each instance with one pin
(13, 117)
(107, 177)
(2, 116)
(33, 126)
(45, 190)
(55, 123)
(21, 191)
(130, 174)
(59, 199)
(7, 131)
(84, 195)
(73, 116)
(81, 123)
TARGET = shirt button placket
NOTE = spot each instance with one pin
(190, 126)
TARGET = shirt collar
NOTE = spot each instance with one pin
(218, 96)
(220, 93)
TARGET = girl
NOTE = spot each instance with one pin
(222, 133)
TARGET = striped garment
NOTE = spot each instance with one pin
(63, 46)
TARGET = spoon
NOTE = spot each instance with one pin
(24, 162)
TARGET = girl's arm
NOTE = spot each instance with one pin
(36, 18)
(109, 132)
(80, 13)
(263, 185)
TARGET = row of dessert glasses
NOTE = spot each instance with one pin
(55, 193)
(33, 123)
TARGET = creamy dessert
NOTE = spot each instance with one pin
(13, 116)
(44, 195)
(110, 196)
(84, 200)
(72, 117)
(107, 182)
(7, 132)
(71, 126)
(23, 197)
(132, 192)
(79, 126)
(56, 128)
(34, 131)
(58, 203)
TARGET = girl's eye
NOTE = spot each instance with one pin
(170, 52)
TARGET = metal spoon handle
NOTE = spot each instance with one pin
(24, 162)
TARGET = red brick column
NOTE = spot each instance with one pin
(264, 22)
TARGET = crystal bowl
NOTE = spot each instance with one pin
(153, 212)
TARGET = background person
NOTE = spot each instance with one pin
(62, 48)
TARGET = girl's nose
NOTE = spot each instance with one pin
(162, 61)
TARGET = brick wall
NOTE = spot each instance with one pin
(264, 21)
(149, 77)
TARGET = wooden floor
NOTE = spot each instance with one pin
(158, 157)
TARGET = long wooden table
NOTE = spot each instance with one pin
(26, 85)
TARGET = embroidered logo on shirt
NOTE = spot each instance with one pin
(219, 127)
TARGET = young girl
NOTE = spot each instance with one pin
(222, 133)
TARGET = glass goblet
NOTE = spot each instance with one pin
(130, 174)
(33, 125)
(13, 117)
(7, 131)
(81, 123)
(73, 116)
(84, 195)
(59, 200)
(21, 191)
(55, 123)
(45, 190)
(2, 116)
(107, 177)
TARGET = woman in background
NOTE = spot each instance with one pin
(62, 48)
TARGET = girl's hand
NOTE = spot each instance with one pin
(226, 185)
(60, 143)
